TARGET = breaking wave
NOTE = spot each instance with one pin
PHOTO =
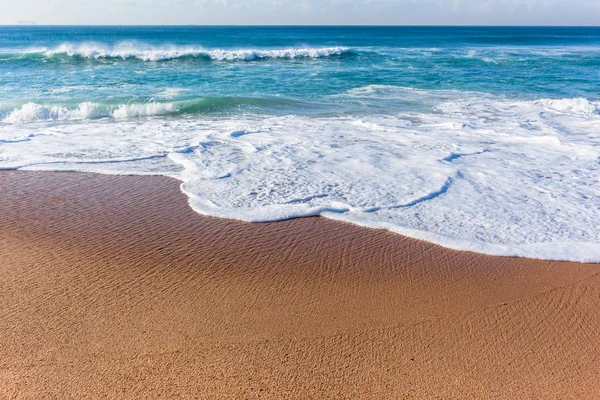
(144, 52)
(35, 112)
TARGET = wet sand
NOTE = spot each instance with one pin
(111, 286)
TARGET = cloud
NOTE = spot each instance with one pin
(398, 12)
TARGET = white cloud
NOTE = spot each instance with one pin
(410, 12)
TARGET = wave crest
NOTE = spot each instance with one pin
(143, 110)
(33, 112)
(151, 53)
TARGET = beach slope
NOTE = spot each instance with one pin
(111, 286)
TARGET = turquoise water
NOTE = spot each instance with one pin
(476, 138)
(107, 64)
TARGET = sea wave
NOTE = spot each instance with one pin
(457, 101)
(568, 106)
(145, 52)
(35, 112)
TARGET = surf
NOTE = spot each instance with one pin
(115, 110)
(151, 53)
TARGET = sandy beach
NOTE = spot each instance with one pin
(111, 286)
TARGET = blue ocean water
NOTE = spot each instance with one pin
(91, 61)
(478, 138)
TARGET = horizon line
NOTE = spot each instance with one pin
(34, 24)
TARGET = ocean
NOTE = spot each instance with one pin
(484, 139)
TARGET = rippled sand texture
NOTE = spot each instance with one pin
(113, 286)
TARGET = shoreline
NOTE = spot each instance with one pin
(523, 251)
(113, 285)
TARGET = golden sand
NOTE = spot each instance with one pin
(113, 287)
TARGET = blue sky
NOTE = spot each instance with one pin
(393, 12)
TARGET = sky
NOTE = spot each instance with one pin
(312, 12)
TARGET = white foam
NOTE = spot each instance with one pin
(485, 174)
(33, 112)
(146, 52)
(577, 106)
(170, 93)
(252, 54)
(143, 110)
